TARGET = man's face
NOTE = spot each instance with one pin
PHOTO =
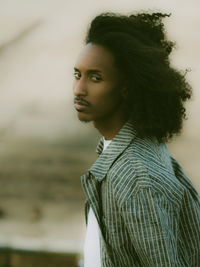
(97, 84)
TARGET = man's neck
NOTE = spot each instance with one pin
(109, 127)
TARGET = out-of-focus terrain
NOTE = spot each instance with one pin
(41, 199)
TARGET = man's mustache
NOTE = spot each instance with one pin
(80, 100)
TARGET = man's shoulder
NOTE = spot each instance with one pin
(143, 158)
(144, 164)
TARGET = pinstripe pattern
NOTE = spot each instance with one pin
(147, 209)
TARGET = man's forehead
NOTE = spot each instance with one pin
(95, 57)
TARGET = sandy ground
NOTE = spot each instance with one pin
(42, 202)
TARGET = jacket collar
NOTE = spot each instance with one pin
(118, 144)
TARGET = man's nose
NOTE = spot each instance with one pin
(80, 88)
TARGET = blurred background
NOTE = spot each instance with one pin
(44, 149)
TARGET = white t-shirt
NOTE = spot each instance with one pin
(92, 245)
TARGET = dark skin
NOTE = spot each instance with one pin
(98, 90)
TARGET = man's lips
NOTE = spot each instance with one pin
(81, 105)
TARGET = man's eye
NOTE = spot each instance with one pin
(96, 78)
(77, 75)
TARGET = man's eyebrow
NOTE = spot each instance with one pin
(89, 70)
(75, 69)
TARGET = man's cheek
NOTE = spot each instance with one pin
(100, 100)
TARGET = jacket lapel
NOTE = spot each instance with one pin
(117, 146)
(92, 189)
(91, 181)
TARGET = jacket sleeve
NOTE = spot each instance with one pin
(151, 224)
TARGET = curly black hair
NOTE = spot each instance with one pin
(156, 91)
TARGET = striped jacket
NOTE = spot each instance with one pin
(148, 211)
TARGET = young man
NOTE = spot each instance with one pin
(141, 209)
